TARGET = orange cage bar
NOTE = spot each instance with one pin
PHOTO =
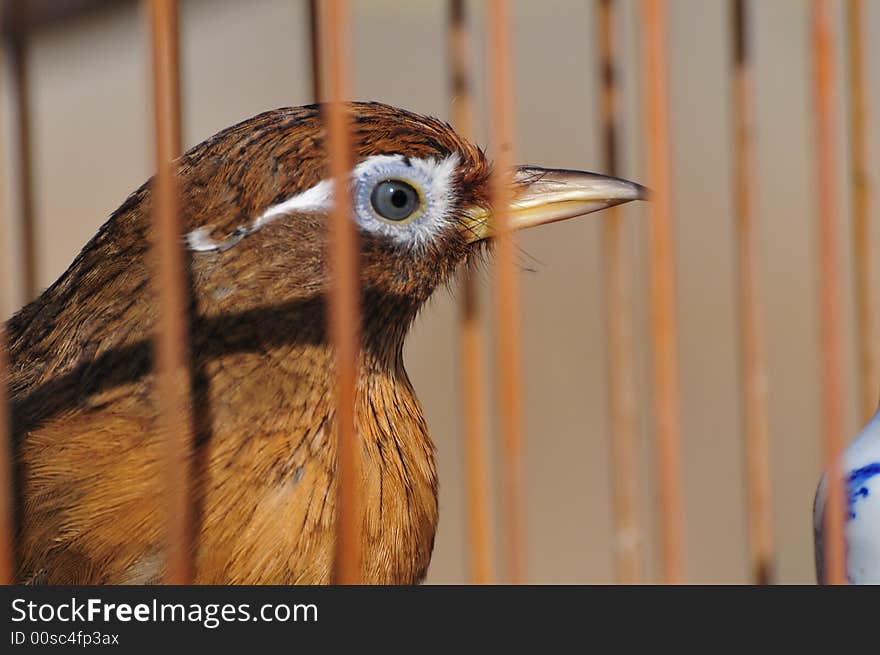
(314, 16)
(7, 514)
(753, 363)
(862, 202)
(829, 298)
(344, 310)
(473, 388)
(618, 303)
(172, 350)
(507, 292)
(7, 494)
(20, 69)
(663, 329)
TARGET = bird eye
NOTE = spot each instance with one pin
(395, 200)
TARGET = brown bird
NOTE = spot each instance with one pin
(254, 205)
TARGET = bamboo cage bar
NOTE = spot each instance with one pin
(824, 82)
(19, 37)
(751, 334)
(618, 317)
(7, 512)
(344, 301)
(860, 190)
(314, 12)
(473, 370)
(662, 291)
(7, 494)
(171, 339)
(508, 355)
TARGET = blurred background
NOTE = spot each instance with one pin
(91, 124)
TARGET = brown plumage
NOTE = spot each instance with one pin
(82, 388)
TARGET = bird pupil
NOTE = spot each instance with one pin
(398, 198)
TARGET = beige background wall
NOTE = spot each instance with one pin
(242, 57)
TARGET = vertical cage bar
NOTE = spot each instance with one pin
(344, 310)
(315, 49)
(751, 334)
(662, 289)
(507, 293)
(7, 512)
(829, 302)
(618, 300)
(866, 312)
(473, 373)
(171, 339)
(19, 37)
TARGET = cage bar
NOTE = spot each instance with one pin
(7, 512)
(344, 309)
(751, 334)
(19, 36)
(618, 317)
(662, 291)
(824, 81)
(860, 190)
(473, 370)
(315, 49)
(172, 336)
(507, 291)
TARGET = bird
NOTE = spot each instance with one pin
(254, 210)
(860, 464)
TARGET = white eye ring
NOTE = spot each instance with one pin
(429, 179)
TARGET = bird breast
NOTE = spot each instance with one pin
(283, 494)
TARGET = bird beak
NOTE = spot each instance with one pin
(547, 195)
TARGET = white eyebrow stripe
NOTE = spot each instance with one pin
(199, 241)
(434, 175)
(317, 198)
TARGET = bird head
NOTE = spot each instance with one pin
(257, 199)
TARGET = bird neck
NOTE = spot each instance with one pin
(257, 325)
